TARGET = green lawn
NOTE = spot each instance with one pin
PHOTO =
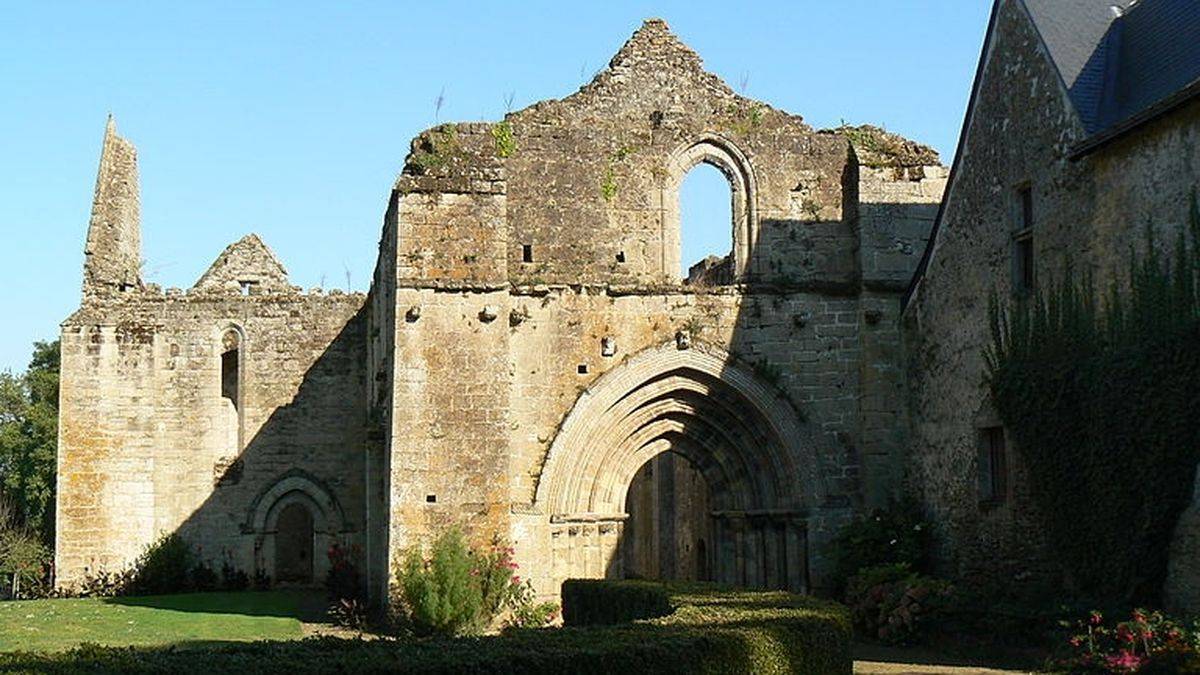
(52, 625)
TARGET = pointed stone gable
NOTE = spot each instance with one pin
(654, 63)
(112, 255)
(246, 266)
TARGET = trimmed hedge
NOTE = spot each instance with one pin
(597, 602)
(707, 630)
(729, 630)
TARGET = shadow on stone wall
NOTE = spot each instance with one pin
(297, 487)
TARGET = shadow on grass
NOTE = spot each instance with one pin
(282, 604)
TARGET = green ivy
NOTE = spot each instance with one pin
(1103, 406)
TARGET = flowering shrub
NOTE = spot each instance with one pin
(894, 604)
(1147, 642)
(527, 612)
(344, 581)
(345, 587)
(458, 590)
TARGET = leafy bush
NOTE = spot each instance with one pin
(203, 578)
(895, 604)
(164, 566)
(528, 612)
(24, 562)
(232, 578)
(712, 630)
(102, 584)
(1104, 409)
(892, 536)
(458, 590)
(442, 594)
(167, 565)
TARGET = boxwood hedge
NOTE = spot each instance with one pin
(678, 629)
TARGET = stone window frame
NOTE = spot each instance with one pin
(1024, 260)
(719, 152)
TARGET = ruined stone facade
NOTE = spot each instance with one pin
(1091, 200)
(527, 347)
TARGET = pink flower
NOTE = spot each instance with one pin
(516, 579)
(1125, 660)
(1096, 618)
(1076, 641)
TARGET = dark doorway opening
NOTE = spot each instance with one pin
(294, 545)
(669, 522)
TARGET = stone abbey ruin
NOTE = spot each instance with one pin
(528, 361)
(531, 363)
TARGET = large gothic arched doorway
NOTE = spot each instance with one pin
(714, 426)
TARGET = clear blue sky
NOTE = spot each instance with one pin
(292, 119)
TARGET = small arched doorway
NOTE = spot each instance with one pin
(294, 544)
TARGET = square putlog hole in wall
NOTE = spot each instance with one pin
(582, 369)
(527, 253)
(620, 256)
(430, 499)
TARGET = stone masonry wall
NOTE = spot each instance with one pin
(144, 449)
(1089, 212)
(535, 255)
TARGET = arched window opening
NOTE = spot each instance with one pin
(668, 506)
(706, 227)
(231, 391)
(230, 366)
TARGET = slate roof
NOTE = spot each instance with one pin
(1123, 63)
(1119, 60)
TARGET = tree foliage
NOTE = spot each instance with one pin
(1103, 404)
(29, 440)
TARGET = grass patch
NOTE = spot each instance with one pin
(59, 624)
(695, 629)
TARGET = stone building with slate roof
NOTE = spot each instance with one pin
(1083, 128)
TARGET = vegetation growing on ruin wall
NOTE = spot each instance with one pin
(1102, 401)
